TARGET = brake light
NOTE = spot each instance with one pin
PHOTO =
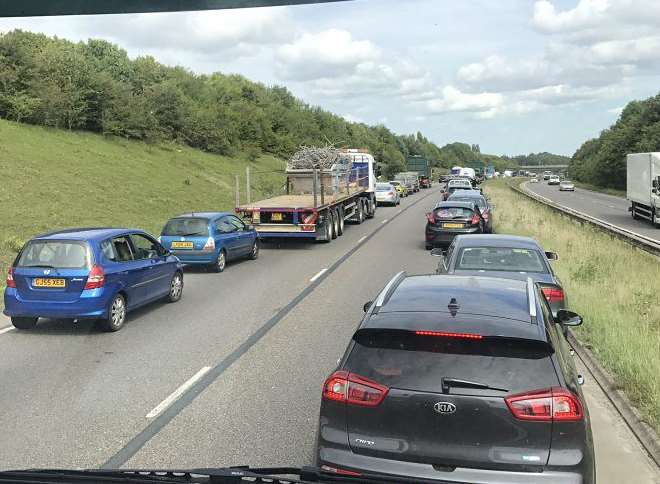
(553, 294)
(430, 217)
(96, 278)
(353, 389)
(310, 218)
(210, 245)
(484, 214)
(444, 334)
(336, 470)
(475, 219)
(10, 277)
(548, 405)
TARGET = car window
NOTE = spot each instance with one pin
(408, 361)
(236, 222)
(62, 254)
(145, 247)
(225, 226)
(500, 259)
(453, 212)
(122, 249)
(187, 227)
(108, 250)
(480, 201)
(383, 187)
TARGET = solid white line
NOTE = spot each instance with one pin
(318, 274)
(384, 221)
(5, 330)
(178, 392)
(361, 239)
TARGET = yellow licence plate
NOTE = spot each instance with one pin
(452, 226)
(47, 282)
(276, 217)
(182, 245)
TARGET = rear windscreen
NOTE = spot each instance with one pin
(401, 359)
(187, 226)
(383, 187)
(500, 259)
(481, 203)
(61, 254)
(453, 212)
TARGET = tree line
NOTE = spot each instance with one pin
(602, 161)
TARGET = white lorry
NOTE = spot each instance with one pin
(643, 186)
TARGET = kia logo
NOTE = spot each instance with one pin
(444, 407)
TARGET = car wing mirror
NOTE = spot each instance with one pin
(568, 318)
(551, 255)
(367, 305)
(654, 183)
(438, 252)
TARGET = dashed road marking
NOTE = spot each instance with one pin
(318, 274)
(178, 392)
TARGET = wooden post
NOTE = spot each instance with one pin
(238, 198)
(247, 183)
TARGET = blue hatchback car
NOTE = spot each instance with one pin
(90, 273)
(210, 238)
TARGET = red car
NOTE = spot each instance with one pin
(424, 182)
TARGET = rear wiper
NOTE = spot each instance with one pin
(45, 266)
(454, 382)
(221, 475)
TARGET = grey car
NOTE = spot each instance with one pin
(458, 379)
(481, 201)
(508, 256)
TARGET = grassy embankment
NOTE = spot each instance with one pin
(613, 285)
(54, 179)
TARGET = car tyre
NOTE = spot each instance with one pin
(220, 263)
(24, 323)
(176, 287)
(116, 314)
(340, 216)
(254, 253)
(335, 224)
(360, 212)
(371, 208)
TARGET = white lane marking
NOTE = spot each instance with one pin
(318, 274)
(400, 211)
(384, 221)
(5, 330)
(178, 392)
(612, 206)
(361, 239)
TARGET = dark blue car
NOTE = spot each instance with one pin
(210, 239)
(90, 273)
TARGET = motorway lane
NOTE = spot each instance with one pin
(72, 396)
(606, 207)
(263, 409)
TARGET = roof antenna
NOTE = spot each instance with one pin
(453, 307)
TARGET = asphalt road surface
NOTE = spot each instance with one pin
(254, 345)
(609, 208)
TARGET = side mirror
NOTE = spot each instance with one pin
(568, 318)
(438, 252)
(367, 305)
(654, 183)
(551, 255)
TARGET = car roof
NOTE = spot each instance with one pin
(203, 214)
(85, 233)
(466, 194)
(454, 203)
(496, 240)
(486, 305)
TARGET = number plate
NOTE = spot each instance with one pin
(452, 226)
(276, 217)
(182, 245)
(47, 282)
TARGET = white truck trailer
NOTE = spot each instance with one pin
(643, 186)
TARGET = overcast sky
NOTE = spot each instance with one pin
(514, 76)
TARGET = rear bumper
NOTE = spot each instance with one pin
(91, 304)
(445, 237)
(347, 460)
(193, 257)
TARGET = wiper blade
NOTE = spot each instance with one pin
(45, 266)
(456, 383)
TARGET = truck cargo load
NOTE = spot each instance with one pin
(643, 186)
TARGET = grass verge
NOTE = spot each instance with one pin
(613, 285)
(55, 179)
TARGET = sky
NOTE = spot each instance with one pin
(514, 76)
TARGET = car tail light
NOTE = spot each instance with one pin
(353, 389)
(210, 245)
(336, 470)
(553, 294)
(96, 278)
(548, 405)
(10, 277)
(475, 219)
(484, 214)
(431, 217)
(449, 335)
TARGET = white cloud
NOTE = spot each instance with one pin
(453, 100)
(324, 55)
(617, 111)
(587, 13)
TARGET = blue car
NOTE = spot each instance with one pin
(90, 273)
(210, 239)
